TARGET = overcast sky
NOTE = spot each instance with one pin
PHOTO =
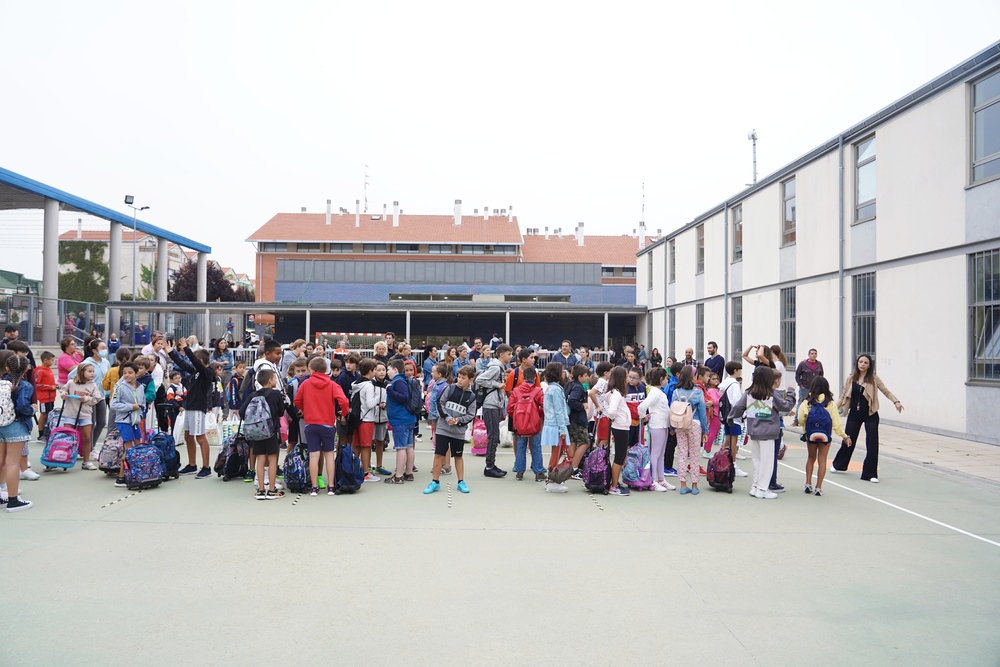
(219, 115)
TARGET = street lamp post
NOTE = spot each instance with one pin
(129, 200)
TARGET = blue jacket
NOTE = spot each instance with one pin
(21, 396)
(397, 394)
(668, 389)
(435, 392)
(697, 400)
(428, 367)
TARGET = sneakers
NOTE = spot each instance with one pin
(260, 494)
(739, 473)
(249, 476)
(834, 470)
(419, 436)
(379, 470)
(33, 476)
(89, 465)
(808, 489)
(777, 488)
(540, 476)
(670, 472)
(552, 487)
(740, 457)
(16, 504)
(408, 477)
(435, 486)
(370, 477)
(656, 487)
(494, 472)
(275, 495)
(120, 482)
(753, 491)
(781, 451)
(819, 491)
(446, 470)
(519, 476)
(314, 491)
(701, 471)
(619, 491)
(188, 470)
(874, 480)
(203, 473)
(668, 486)
(463, 487)
(577, 475)
(765, 495)
(330, 491)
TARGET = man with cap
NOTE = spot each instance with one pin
(10, 334)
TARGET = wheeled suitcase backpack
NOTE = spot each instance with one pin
(721, 471)
(143, 467)
(109, 461)
(164, 443)
(63, 446)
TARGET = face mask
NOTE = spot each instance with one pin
(103, 354)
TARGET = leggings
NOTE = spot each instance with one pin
(620, 436)
(100, 420)
(657, 446)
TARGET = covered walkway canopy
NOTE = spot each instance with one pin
(20, 192)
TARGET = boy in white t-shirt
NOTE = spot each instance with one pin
(732, 387)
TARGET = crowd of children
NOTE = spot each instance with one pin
(289, 400)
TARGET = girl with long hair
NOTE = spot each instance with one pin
(690, 440)
(819, 443)
(761, 405)
(14, 436)
(621, 421)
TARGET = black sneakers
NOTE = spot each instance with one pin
(188, 470)
(203, 473)
(17, 505)
(494, 472)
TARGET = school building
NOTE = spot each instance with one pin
(883, 240)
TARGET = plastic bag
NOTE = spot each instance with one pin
(212, 431)
(178, 431)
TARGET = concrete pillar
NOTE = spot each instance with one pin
(114, 278)
(205, 335)
(308, 337)
(162, 255)
(50, 273)
(202, 293)
(605, 343)
(506, 330)
(408, 330)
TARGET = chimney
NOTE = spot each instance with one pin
(503, 211)
(357, 212)
(395, 214)
(303, 209)
(458, 212)
(328, 202)
(579, 234)
(475, 212)
(642, 235)
(546, 233)
(486, 212)
(79, 228)
(510, 213)
(385, 211)
(496, 212)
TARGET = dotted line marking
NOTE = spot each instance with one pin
(298, 497)
(447, 487)
(594, 498)
(134, 493)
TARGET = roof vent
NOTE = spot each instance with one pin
(303, 209)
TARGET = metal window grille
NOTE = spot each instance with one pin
(736, 311)
(701, 249)
(864, 314)
(672, 333)
(699, 327)
(984, 315)
(788, 324)
(673, 262)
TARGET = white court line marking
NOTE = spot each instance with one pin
(897, 507)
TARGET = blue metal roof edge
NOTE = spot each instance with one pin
(970, 67)
(34, 187)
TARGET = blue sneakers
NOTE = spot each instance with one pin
(432, 487)
(463, 487)
(670, 472)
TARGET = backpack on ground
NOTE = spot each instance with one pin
(819, 424)
(51, 423)
(681, 414)
(414, 401)
(637, 472)
(109, 461)
(7, 412)
(62, 447)
(527, 421)
(233, 457)
(597, 470)
(297, 470)
(348, 475)
(143, 467)
(165, 444)
(721, 472)
(258, 424)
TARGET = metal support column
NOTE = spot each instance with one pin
(50, 273)
(115, 278)
(410, 342)
(202, 293)
(506, 331)
(605, 345)
(309, 337)
(206, 335)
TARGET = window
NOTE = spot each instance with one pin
(477, 249)
(673, 262)
(440, 249)
(341, 247)
(788, 212)
(607, 272)
(984, 315)
(273, 247)
(628, 272)
(700, 231)
(649, 271)
(538, 298)
(376, 247)
(864, 314)
(699, 327)
(407, 248)
(788, 325)
(671, 333)
(738, 233)
(306, 247)
(737, 326)
(505, 250)
(864, 182)
(986, 128)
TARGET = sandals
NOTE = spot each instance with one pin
(408, 477)
(275, 495)
(393, 480)
(260, 494)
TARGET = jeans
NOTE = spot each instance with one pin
(802, 396)
(520, 453)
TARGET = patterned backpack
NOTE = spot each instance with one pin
(297, 470)
(637, 472)
(110, 458)
(259, 422)
(597, 471)
(7, 413)
(144, 467)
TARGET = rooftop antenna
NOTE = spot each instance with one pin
(752, 136)
(366, 188)
(643, 202)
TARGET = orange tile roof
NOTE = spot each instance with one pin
(99, 235)
(307, 227)
(605, 250)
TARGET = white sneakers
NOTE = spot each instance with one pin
(552, 487)
(656, 487)
(89, 465)
(874, 480)
(740, 473)
(765, 495)
(839, 472)
(30, 475)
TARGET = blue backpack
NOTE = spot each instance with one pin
(819, 424)
(297, 470)
(349, 475)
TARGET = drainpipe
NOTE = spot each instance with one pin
(725, 279)
(840, 273)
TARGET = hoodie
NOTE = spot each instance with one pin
(454, 402)
(397, 393)
(123, 397)
(319, 398)
(493, 378)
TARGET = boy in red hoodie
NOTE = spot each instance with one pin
(527, 407)
(320, 399)
(45, 390)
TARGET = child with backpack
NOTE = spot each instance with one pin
(455, 410)
(656, 407)
(364, 401)
(621, 421)
(576, 401)
(440, 374)
(760, 406)
(16, 413)
(714, 396)
(175, 398)
(555, 431)
(260, 425)
(127, 401)
(527, 407)
(319, 399)
(821, 419)
(729, 392)
(80, 395)
(690, 422)
(636, 394)
(233, 390)
(381, 433)
(401, 421)
(197, 404)
(598, 395)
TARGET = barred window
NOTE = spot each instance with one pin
(736, 313)
(788, 324)
(699, 328)
(700, 231)
(672, 333)
(864, 314)
(984, 315)
(673, 262)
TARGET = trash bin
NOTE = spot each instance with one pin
(142, 337)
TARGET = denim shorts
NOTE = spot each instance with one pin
(402, 436)
(15, 431)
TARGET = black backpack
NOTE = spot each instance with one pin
(724, 406)
(354, 418)
(414, 401)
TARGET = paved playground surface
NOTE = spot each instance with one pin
(197, 572)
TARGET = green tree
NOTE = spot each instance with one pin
(87, 280)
